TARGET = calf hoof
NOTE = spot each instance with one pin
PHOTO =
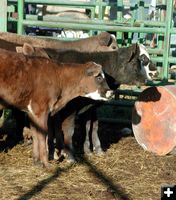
(87, 151)
(27, 143)
(51, 157)
(87, 148)
(56, 156)
(47, 166)
(71, 159)
(68, 156)
(36, 161)
(98, 151)
(39, 163)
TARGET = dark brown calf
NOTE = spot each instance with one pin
(41, 87)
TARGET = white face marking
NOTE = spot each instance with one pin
(143, 50)
(102, 74)
(95, 95)
(145, 68)
(29, 107)
(109, 94)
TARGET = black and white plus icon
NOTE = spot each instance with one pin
(168, 192)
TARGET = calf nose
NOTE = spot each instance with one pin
(109, 94)
(103, 91)
(97, 95)
(157, 74)
(154, 74)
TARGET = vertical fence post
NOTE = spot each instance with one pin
(119, 35)
(100, 11)
(141, 10)
(167, 39)
(3, 15)
(162, 17)
(20, 16)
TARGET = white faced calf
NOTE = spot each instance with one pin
(147, 67)
(41, 87)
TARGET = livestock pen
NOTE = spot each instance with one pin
(125, 171)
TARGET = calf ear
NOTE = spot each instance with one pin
(28, 49)
(133, 52)
(104, 39)
(93, 69)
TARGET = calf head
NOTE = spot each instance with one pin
(135, 65)
(94, 83)
(107, 42)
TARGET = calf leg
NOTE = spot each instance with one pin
(58, 134)
(35, 145)
(87, 140)
(20, 118)
(43, 149)
(68, 130)
(27, 136)
(39, 125)
(59, 143)
(51, 134)
(95, 139)
(55, 132)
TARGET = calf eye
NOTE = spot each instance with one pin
(99, 78)
(144, 59)
(152, 67)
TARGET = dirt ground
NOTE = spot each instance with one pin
(125, 171)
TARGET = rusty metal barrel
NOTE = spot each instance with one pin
(154, 119)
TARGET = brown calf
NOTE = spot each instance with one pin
(41, 87)
(127, 65)
(102, 42)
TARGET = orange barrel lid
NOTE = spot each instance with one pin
(154, 119)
